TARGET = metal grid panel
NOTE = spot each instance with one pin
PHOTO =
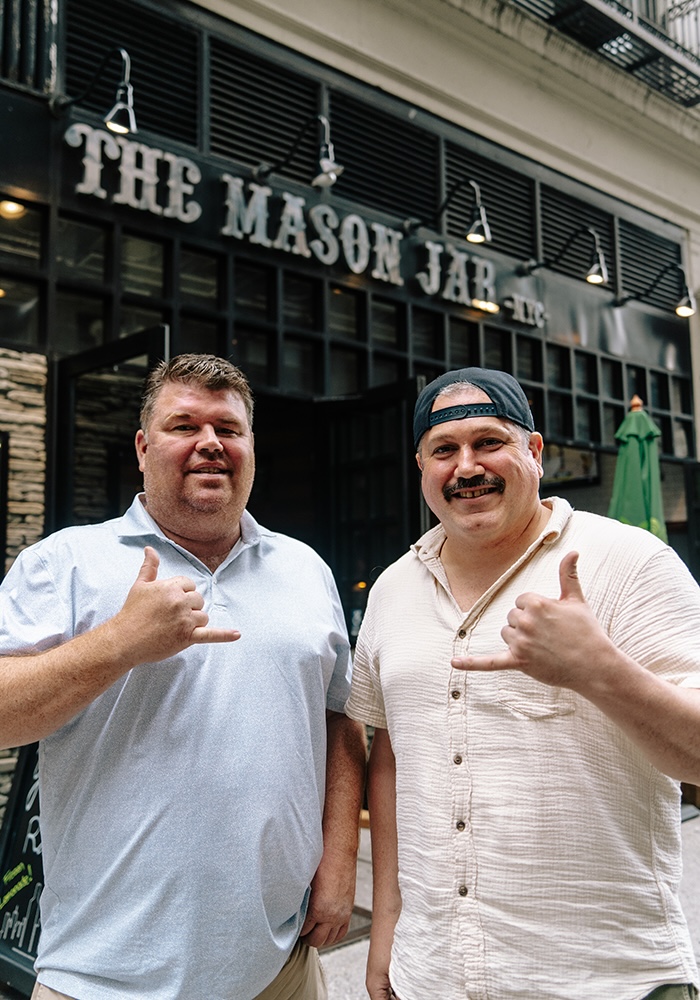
(259, 108)
(508, 198)
(164, 64)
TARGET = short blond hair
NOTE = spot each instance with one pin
(207, 371)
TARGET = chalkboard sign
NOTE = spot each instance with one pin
(21, 875)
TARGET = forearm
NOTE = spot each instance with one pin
(41, 692)
(333, 885)
(346, 761)
(661, 718)
(386, 896)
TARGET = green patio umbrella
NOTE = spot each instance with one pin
(636, 496)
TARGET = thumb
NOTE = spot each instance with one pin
(149, 567)
(568, 578)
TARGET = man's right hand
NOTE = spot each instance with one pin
(162, 617)
(379, 987)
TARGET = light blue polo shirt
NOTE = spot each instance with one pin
(181, 811)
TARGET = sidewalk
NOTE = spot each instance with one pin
(345, 966)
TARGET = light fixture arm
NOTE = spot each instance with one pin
(59, 104)
(457, 186)
(478, 211)
(263, 170)
(530, 266)
(624, 299)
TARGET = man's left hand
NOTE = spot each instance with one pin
(330, 903)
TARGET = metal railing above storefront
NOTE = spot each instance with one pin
(655, 41)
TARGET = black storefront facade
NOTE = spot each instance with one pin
(338, 302)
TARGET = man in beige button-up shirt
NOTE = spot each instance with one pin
(531, 673)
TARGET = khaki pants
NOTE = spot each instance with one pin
(301, 978)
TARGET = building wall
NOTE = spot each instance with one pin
(23, 415)
(489, 67)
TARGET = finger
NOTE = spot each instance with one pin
(201, 634)
(568, 578)
(149, 567)
(500, 661)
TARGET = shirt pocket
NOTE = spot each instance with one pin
(527, 698)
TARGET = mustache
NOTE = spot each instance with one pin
(475, 483)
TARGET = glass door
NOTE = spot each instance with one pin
(94, 404)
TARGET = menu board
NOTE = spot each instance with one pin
(21, 875)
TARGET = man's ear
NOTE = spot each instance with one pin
(536, 448)
(419, 462)
(140, 444)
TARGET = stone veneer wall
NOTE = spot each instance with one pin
(23, 414)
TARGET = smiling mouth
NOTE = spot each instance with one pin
(208, 472)
(469, 489)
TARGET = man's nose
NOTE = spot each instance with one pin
(468, 463)
(208, 440)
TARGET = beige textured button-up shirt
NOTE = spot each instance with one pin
(539, 851)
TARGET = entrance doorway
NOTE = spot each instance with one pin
(336, 473)
(95, 402)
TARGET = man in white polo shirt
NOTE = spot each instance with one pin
(185, 671)
(531, 673)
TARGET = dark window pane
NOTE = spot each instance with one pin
(612, 418)
(587, 420)
(427, 333)
(659, 390)
(199, 335)
(535, 398)
(142, 266)
(558, 370)
(19, 313)
(301, 302)
(682, 438)
(20, 233)
(560, 415)
(251, 353)
(637, 383)
(497, 350)
(586, 373)
(343, 313)
(529, 359)
(385, 319)
(132, 319)
(345, 372)
(79, 321)
(680, 395)
(384, 371)
(299, 366)
(464, 344)
(253, 293)
(80, 250)
(612, 379)
(199, 278)
(664, 424)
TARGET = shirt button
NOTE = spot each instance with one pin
(457, 759)
(462, 633)
(460, 825)
(455, 694)
(463, 890)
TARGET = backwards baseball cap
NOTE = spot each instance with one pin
(508, 401)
